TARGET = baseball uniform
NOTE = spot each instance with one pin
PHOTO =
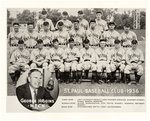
(84, 24)
(111, 36)
(39, 25)
(128, 37)
(56, 59)
(67, 24)
(71, 56)
(103, 60)
(133, 57)
(19, 60)
(87, 59)
(39, 56)
(102, 25)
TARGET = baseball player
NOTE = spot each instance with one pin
(67, 23)
(134, 59)
(117, 60)
(71, 59)
(56, 60)
(13, 37)
(103, 61)
(39, 56)
(87, 62)
(39, 25)
(111, 35)
(61, 35)
(47, 36)
(84, 24)
(93, 34)
(19, 61)
(30, 37)
(102, 24)
(78, 34)
(127, 36)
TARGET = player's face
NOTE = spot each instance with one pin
(56, 44)
(102, 44)
(60, 27)
(76, 25)
(134, 46)
(46, 28)
(112, 27)
(117, 46)
(92, 25)
(80, 16)
(86, 45)
(71, 44)
(20, 46)
(126, 29)
(64, 17)
(40, 45)
(44, 16)
(35, 79)
(16, 28)
(30, 27)
(98, 16)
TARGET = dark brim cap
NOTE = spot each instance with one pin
(65, 13)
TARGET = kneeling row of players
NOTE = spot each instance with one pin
(71, 63)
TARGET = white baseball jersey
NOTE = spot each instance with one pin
(62, 36)
(128, 36)
(13, 37)
(30, 38)
(93, 36)
(47, 37)
(78, 35)
(134, 55)
(101, 24)
(67, 24)
(20, 56)
(102, 54)
(87, 54)
(117, 55)
(39, 25)
(39, 55)
(71, 53)
(56, 54)
(84, 24)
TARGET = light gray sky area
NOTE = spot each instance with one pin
(71, 11)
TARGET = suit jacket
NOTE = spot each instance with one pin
(23, 92)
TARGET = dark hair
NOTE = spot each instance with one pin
(102, 40)
(33, 70)
(80, 12)
(60, 23)
(86, 41)
(117, 41)
(71, 40)
(134, 42)
(20, 41)
(99, 12)
(92, 21)
(30, 23)
(55, 40)
(127, 25)
(39, 41)
(65, 13)
(76, 21)
(16, 23)
(44, 12)
(111, 23)
(45, 23)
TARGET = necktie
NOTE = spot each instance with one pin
(35, 97)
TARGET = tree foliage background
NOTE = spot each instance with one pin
(55, 15)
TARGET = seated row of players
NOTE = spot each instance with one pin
(74, 61)
(77, 32)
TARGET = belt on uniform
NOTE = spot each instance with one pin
(133, 62)
(102, 60)
(86, 60)
(46, 45)
(94, 45)
(55, 60)
(77, 44)
(62, 44)
(30, 47)
(15, 45)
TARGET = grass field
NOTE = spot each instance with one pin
(86, 88)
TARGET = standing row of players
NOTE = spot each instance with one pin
(75, 61)
(80, 29)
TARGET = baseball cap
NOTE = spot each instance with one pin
(71, 40)
(80, 12)
(20, 41)
(44, 12)
(39, 41)
(134, 42)
(65, 13)
(111, 23)
(46, 23)
(86, 41)
(60, 23)
(117, 41)
(55, 40)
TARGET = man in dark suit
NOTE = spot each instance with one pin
(32, 95)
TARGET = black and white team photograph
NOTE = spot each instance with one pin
(74, 52)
